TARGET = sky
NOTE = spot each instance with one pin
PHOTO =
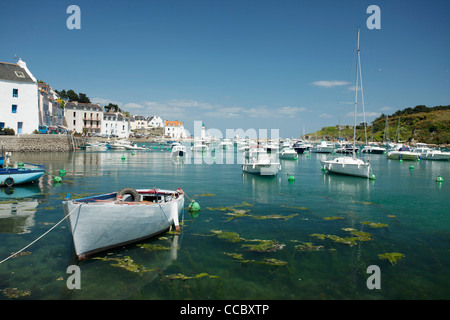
(238, 64)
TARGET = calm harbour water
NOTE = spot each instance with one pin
(410, 201)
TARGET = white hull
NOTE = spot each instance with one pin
(436, 155)
(100, 225)
(403, 155)
(263, 169)
(347, 166)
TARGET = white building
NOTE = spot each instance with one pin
(138, 122)
(115, 124)
(174, 129)
(18, 98)
(50, 111)
(155, 122)
(83, 117)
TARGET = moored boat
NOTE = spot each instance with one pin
(403, 153)
(178, 150)
(259, 162)
(115, 219)
(288, 153)
(13, 176)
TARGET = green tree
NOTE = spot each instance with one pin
(72, 96)
(83, 98)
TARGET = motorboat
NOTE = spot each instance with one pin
(427, 153)
(322, 147)
(14, 176)
(347, 148)
(373, 148)
(106, 221)
(258, 161)
(402, 153)
(288, 153)
(178, 150)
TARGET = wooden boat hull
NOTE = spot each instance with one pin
(99, 224)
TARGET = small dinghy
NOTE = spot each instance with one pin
(115, 219)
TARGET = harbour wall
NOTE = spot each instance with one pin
(39, 143)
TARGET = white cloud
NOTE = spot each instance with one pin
(190, 109)
(330, 83)
(325, 115)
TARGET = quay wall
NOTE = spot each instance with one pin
(38, 143)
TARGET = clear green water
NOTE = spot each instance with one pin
(420, 230)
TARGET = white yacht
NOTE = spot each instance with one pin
(351, 165)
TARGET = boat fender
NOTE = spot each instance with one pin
(129, 192)
(9, 182)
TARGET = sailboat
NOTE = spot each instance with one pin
(351, 165)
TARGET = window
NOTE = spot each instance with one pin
(15, 93)
(19, 127)
(14, 108)
(74, 122)
(19, 74)
(2, 125)
(74, 114)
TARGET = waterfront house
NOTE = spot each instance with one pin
(50, 111)
(18, 98)
(83, 117)
(115, 124)
(174, 129)
(155, 122)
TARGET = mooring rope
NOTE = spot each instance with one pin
(41, 235)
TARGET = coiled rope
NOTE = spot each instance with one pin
(41, 235)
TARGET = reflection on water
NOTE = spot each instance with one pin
(17, 208)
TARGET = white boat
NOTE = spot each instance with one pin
(96, 146)
(199, 146)
(322, 147)
(178, 150)
(426, 153)
(226, 144)
(373, 148)
(402, 153)
(120, 144)
(115, 219)
(133, 146)
(288, 153)
(350, 165)
(346, 148)
(257, 161)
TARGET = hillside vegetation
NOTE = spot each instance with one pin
(419, 124)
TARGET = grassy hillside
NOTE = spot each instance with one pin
(419, 124)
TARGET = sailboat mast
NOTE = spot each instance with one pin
(356, 96)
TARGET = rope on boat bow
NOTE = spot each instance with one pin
(41, 235)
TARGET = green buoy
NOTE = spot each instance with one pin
(291, 178)
(439, 179)
(411, 167)
(57, 179)
(372, 177)
(194, 206)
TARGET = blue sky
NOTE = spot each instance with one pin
(287, 65)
